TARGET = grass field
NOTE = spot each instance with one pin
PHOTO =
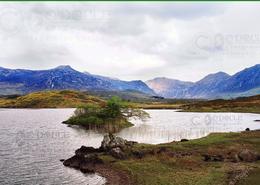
(182, 163)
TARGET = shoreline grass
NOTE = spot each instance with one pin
(182, 163)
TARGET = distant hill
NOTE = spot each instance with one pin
(20, 81)
(243, 104)
(50, 99)
(128, 95)
(218, 85)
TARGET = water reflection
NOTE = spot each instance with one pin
(169, 125)
(33, 141)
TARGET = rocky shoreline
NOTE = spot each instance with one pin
(93, 160)
(88, 159)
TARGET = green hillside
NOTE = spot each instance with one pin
(242, 104)
(50, 99)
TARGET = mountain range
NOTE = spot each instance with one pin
(212, 86)
(21, 81)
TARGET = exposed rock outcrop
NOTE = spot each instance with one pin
(86, 158)
(110, 142)
(85, 163)
(118, 153)
(248, 155)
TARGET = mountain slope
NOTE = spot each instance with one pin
(208, 86)
(218, 85)
(244, 80)
(60, 78)
(169, 87)
(125, 85)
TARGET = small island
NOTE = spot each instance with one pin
(109, 117)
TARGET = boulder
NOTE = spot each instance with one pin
(73, 162)
(110, 141)
(117, 142)
(117, 153)
(214, 158)
(247, 129)
(83, 150)
(85, 163)
(86, 158)
(105, 144)
(248, 155)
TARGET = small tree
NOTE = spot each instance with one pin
(114, 114)
(113, 107)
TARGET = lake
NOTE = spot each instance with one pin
(32, 141)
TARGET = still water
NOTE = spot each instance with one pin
(32, 141)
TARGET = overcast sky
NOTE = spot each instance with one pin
(131, 40)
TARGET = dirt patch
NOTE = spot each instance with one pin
(113, 176)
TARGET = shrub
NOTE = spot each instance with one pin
(114, 114)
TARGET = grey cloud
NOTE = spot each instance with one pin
(159, 36)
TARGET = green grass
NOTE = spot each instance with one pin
(161, 170)
(95, 123)
(154, 171)
(165, 169)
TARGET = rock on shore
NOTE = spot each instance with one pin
(87, 158)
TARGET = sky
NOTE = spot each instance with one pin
(130, 41)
